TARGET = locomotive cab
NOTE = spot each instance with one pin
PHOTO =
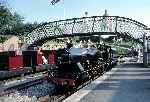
(68, 68)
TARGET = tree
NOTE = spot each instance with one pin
(10, 23)
(5, 19)
(28, 27)
(2, 39)
(17, 25)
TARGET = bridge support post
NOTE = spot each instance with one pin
(144, 50)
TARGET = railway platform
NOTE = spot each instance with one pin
(127, 82)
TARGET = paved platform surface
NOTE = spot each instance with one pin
(129, 82)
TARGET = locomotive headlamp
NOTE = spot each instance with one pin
(65, 82)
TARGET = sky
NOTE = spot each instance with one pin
(42, 10)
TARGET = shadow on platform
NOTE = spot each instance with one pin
(130, 83)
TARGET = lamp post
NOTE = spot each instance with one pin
(86, 22)
(86, 13)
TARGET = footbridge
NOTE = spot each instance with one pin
(87, 26)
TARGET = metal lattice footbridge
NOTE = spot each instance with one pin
(95, 25)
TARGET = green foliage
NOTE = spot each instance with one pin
(2, 39)
(12, 23)
(122, 51)
(28, 27)
(9, 22)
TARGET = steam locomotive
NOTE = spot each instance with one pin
(76, 65)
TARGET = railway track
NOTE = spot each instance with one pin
(60, 97)
(21, 77)
(10, 81)
(55, 97)
(48, 92)
(20, 85)
(28, 91)
(53, 94)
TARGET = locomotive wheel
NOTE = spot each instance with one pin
(61, 89)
